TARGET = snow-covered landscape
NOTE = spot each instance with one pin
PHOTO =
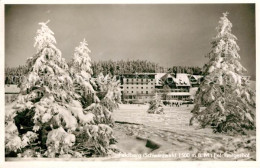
(171, 134)
(77, 109)
(174, 135)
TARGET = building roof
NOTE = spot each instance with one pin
(12, 89)
(166, 76)
(179, 94)
(158, 77)
(197, 77)
(182, 79)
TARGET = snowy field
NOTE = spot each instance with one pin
(172, 134)
(143, 136)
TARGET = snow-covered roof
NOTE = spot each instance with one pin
(158, 76)
(179, 94)
(197, 77)
(182, 79)
(12, 89)
(166, 76)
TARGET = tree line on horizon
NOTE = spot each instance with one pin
(14, 75)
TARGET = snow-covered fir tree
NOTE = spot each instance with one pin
(156, 105)
(81, 74)
(109, 93)
(224, 99)
(46, 103)
(96, 136)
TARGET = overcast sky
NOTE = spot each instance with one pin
(165, 34)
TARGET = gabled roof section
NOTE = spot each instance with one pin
(158, 80)
(166, 76)
(197, 77)
(182, 79)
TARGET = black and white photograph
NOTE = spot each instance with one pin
(130, 82)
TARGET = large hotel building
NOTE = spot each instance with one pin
(141, 87)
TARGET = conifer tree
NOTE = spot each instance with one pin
(47, 99)
(97, 135)
(156, 106)
(81, 73)
(224, 100)
(109, 93)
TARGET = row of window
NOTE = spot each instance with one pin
(138, 87)
(179, 96)
(138, 83)
(135, 97)
(142, 92)
(142, 80)
(174, 90)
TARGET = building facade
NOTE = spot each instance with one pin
(173, 87)
(138, 88)
(141, 87)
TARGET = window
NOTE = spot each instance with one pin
(127, 92)
(132, 87)
(146, 87)
(136, 87)
(142, 87)
(146, 92)
(151, 87)
(151, 79)
(142, 92)
(132, 91)
(127, 87)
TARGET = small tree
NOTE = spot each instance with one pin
(156, 106)
(224, 99)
